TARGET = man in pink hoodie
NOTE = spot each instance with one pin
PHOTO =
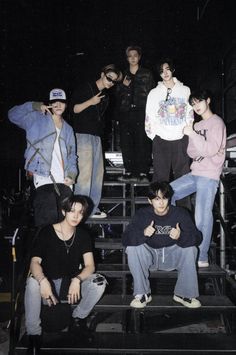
(206, 148)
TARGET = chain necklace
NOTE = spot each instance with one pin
(67, 246)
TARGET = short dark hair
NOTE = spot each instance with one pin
(133, 48)
(67, 203)
(164, 60)
(114, 69)
(200, 95)
(164, 187)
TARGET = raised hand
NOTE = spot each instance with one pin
(126, 81)
(188, 129)
(97, 99)
(45, 109)
(175, 232)
(149, 230)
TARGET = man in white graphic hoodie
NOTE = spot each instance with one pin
(167, 113)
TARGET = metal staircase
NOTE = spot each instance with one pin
(163, 327)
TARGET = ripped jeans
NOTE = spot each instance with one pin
(91, 291)
(91, 168)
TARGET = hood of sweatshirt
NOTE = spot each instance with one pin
(161, 85)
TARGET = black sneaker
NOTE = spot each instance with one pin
(79, 325)
(34, 345)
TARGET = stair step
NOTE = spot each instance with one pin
(137, 199)
(111, 243)
(114, 199)
(117, 270)
(119, 343)
(109, 220)
(119, 183)
(107, 242)
(163, 303)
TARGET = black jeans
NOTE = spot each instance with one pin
(47, 204)
(171, 161)
(135, 145)
(170, 157)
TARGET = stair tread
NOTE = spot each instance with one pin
(115, 199)
(121, 183)
(157, 343)
(107, 199)
(109, 220)
(161, 302)
(212, 270)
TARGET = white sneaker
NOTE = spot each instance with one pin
(187, 302)
(203, 263)
(140, 301)
(99, 214)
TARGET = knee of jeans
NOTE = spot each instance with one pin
(32, 284)
(99, 282)
(191, 251)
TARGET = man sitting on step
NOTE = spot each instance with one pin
(163, 237)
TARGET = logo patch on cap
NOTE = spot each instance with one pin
(57, 94)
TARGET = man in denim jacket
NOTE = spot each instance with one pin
(50, 156)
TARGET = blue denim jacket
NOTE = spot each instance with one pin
(41, 136)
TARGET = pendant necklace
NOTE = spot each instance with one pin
(68, 245)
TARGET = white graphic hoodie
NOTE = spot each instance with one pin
(167, 114)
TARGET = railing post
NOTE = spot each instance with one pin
(222, 233)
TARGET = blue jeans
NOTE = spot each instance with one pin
(91, 167)
(205, 189)
(143, 258)
(91, 292)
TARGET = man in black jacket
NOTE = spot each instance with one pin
(163, 237)
(132, 95)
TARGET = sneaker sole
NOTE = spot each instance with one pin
(142, 305)
(99, 216)
(203, 265)
(186, 304)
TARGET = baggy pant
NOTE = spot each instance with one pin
(142, 259)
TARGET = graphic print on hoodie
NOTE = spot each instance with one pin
(168, 113)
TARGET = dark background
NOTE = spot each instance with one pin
(57, 43)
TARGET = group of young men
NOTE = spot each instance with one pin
(161, 236)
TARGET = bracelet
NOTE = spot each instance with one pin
(41, 279)
(79, 278)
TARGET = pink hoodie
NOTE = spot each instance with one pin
(207, 147)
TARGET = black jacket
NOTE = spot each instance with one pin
(134, 233)
(135, 95)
